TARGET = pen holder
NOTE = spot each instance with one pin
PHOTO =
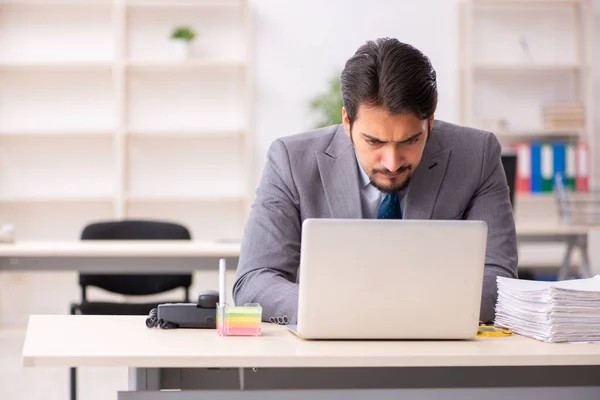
(239, 320)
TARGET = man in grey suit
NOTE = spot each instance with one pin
(388, 159)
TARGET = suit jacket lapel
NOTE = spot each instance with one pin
(426, 181)
(339, 174)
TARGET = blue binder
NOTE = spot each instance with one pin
(536, 168)
(559, 160)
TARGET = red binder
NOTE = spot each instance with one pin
(523, 184)
(582, 173)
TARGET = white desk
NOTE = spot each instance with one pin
(193, 360)
(184, 256)
(116, 256)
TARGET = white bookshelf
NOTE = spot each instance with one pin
(517, 56)
(100, 120)
(174, 66)
(515, 69)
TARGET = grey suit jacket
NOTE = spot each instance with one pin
(315, 175)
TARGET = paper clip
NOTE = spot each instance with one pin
(493, 331)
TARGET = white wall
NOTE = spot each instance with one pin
(300, 44)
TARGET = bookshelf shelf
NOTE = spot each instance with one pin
(82, 133)
(187, 100)
(536, 196)
(39, 35)
(526, 75)
(187, 134)
(110, 123)
(219, 220)
(54, 3)
(525, 69)
(190, 198)
(522, 3)
(174, 65)
(43, 199)
(542, 133)
(56, 65)
(184, 4)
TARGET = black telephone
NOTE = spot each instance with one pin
(200, 315)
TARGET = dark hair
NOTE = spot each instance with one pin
(391, 74)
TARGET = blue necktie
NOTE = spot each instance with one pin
(390, 207)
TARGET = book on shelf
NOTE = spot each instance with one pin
(539, 162)
(563, 116)
(582, 176)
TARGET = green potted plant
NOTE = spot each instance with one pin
(327, 106)
(181, 38)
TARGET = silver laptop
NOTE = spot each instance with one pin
(390, 279)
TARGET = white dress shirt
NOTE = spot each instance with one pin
(371, 197)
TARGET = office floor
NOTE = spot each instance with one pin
(19, 383)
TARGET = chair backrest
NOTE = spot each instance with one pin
(509, 162)
(135, 284)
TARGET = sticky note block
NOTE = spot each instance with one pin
(239, 320)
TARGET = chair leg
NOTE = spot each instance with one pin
(73, 381)
(74, 310)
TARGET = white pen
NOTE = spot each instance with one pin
(222, 269)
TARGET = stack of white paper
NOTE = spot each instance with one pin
(564, 311)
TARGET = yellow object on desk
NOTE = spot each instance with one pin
(493, 331)
(239, 320)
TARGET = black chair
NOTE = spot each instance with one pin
(509, 162)
(128, 284)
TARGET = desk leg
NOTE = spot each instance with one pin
(586, 270)
(144, 379)
(143, 384)
(566, 264)
(581, 243)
